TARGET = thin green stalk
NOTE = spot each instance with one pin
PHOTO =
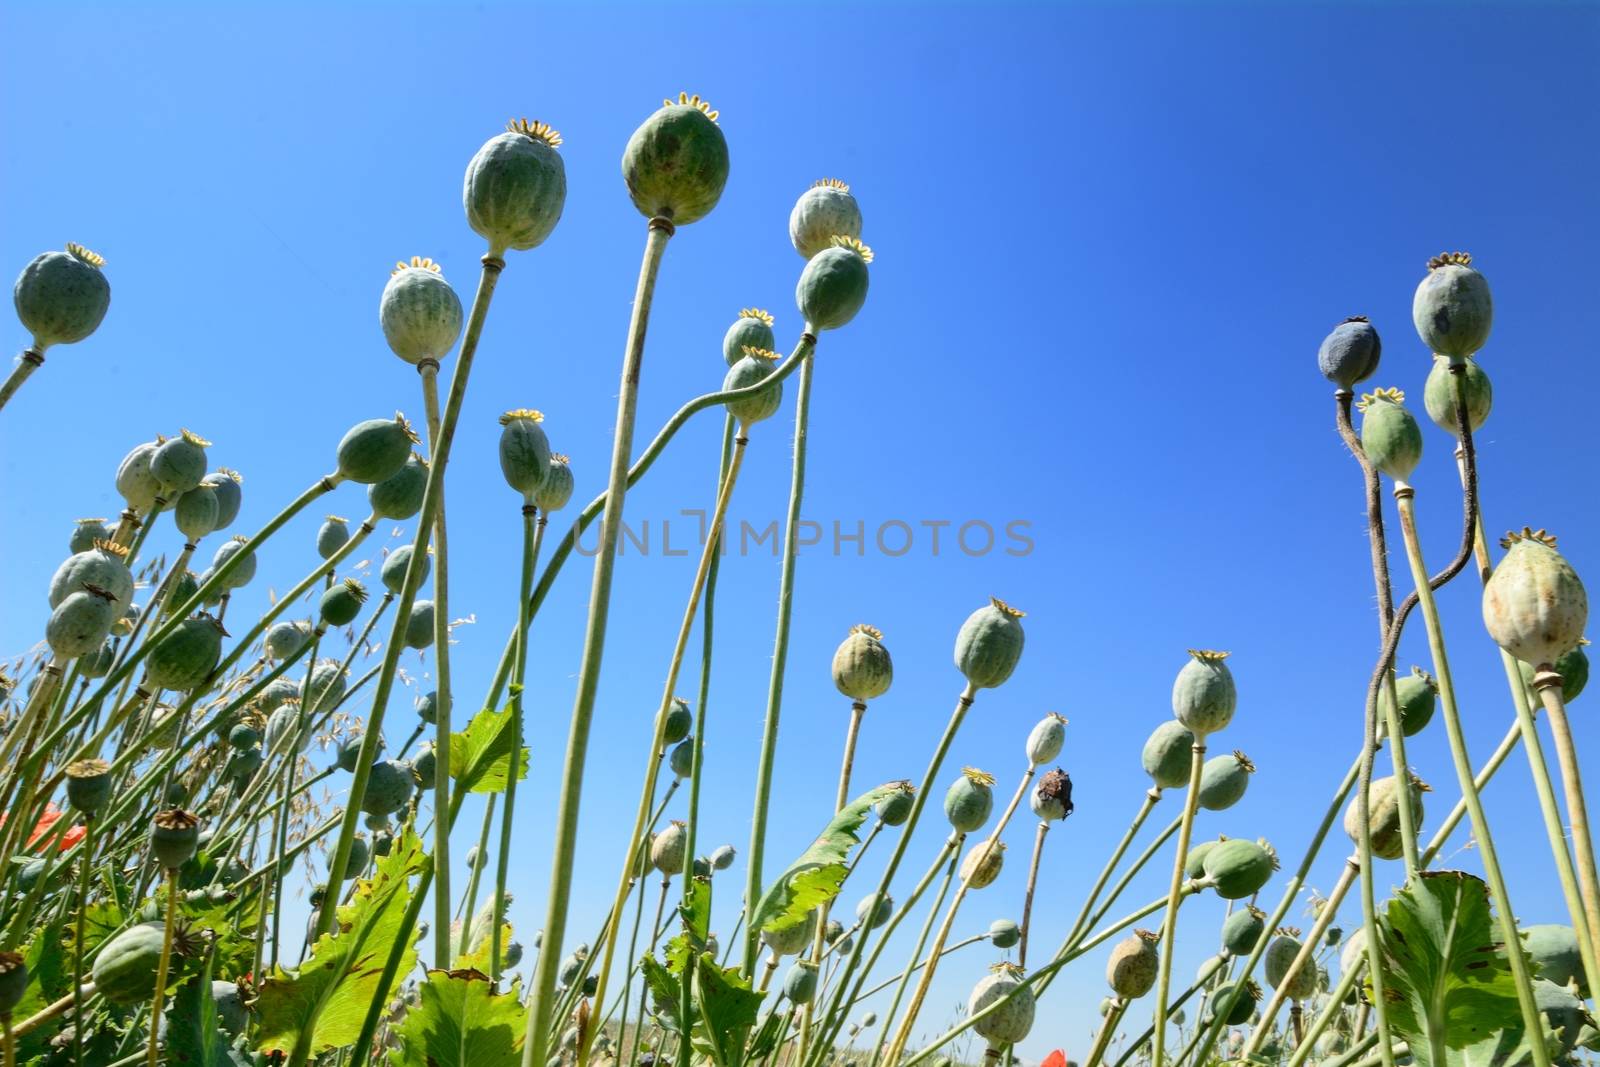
(1308, 948)
(1169, 929)
(1200, 982)
(953, 846)
(1335, 1004)
(1548, 684)
(85, 869)
(30, 360)
(918, 965)
(1027, 896)
(1151, 797)
(469, 899)
(1108, 1026)
(161, 968)
(428, 370)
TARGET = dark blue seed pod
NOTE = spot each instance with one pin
(1350, 353)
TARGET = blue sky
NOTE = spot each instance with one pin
(1109, 241)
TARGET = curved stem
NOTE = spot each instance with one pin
(1169, 929)
(1151, 797)
(1308, 948)
(1200, 983)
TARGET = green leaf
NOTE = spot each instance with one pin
(480, 755)
(194, 1033)
(816, 876)
(1448, 980)
(728, 1008)
(461, 1022)
(696, 917)
(49, 963)
(322, 1003)
(664, 991)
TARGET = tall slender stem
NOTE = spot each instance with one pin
(1548, 684)
(85, 873)
(428, 370)
(1109, 1025)
(161, 967)
(1308, 948)
(1169, 928)
(953, 846)
(1027, 897)
(30, 360)
(1151, 797)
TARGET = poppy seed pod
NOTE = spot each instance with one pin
(286, 723)
(13, 982)
(61, 297)
(1011, 1022)
(1237, 868)
(184, 586)
(1052, 797)
(1439, 395)
(419, 312)
(755, 366)
(1243, 1008)
(245, 570)
(666, 851)
(1131, 969)
(1389, 433)
(393, 571)
(1194, 864)
(791, 939)
(390, 784)
(356, 862)
(284, 639)
(1452, 308)
(81, 622)
(1003, 933)
(862, 669)
(989, 644)
(243, 735)
(228, 486)
(244, 765)
(88, 785)
(1350, 353)
(969, 800)
(428, 707)
(425, 764)
(1046, 739)
(1534, 605)
(332, 535)
(196, 512)
(399, 496)
(800, 983)
(135, 484)
(1301, 983)
(1242, 930)
(324, 686)
(875, 909)
(1572, 665)
(681, 761)
(186, 657)
(275, 694)
(722, 857)
(823, 211)
(833, 286)
(419, 627)
(676, 163)
(556, 489)
(524, 450)
(1203, 694)
(174, 836)
(678, 721)
(375, 449)
(752, 329)
(1383, 816)
(179, 463)
(98, 663)
(1223, 780)
(983, 863)
(1555, 949)
(85, 532)
(895, 809)
(1167, 754)
(341, 604)
(1417, 694)
(516, 187)
(105, 565)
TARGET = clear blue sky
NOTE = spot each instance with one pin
(1109, 241)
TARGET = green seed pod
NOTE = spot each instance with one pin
(244, 765)
(174, 836)
(572, 966)
(1131, 970)
(325, 687)
(125, 967)
(80, 623)
(1383, 816)
(185, 584)
(1242, 930)
(428, 707)
(682, 759)
(179, 464)
(196, 512)
(1298, 985)
(393, 571)
(85, 532)
(1555, 949)
(1203, 695)
(895, 809)
(61, 297)
(1238, 868)
(676, 163)
(284, 639)
(348, 753)
(754, 367)
(1534, 605)
(752, 329)
(389, 787)
(722, 857)
(666, 851)
(862, 669)
(1003, 933)
(177, 794)
(1046, 739)
(232, 1015)
(1243, 1008)
(137, 486)
(1563, 1013)
(791, 940)
(556, 489)
(419, 312)
(982, 864)
(823, 211)
(1223, 780)
(88, 785)
(286, 726)
(516, 187)
(243, 736)
(800, 982)
(1439, 395)
(375, 449)
(833, 286)
(1167, 754)
(332, 535)
(399, 496)
(98, 663)
(13, 982)
(524, 450)
(679, 720)
(1417, 693)
(969, 800)
(241, 574)
(875, 909)
(1009, 1023)
(1389, 433)
(104, 566)
(186, 657)
(341, 604)
(419, 628)
(226, 484)
(360, 852)
(1194, 865)
(990, 644)
(1572, 665)
(1452, 308)
(1350, 353)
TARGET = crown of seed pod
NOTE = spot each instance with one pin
(341, 604)
(800, 982)
(969, 800)
(81, 622)
(1046, 739)
(1350, 353)
(1203, 694)
(1300, 984)
(1383, 816)
(1052, 797)
(104, 565)
(524, 450)
(1012, 1021)
(1237, 868)
(823, 211)
(392, 572)
(332, 535)
(895, 809)
(61, 297)
(375, 449)
(186, 657)
(1131, 970)
(419, 627)
(419, 312)
(666, 852)
(399, 496)
(862, 669)
(1439, 395)
(174, 836)
(753, 367)
(833, 286)
(1452, 308)
(85, 532)
(1534, 605)
(1167, 755)
(676, 163)
(983, 863)
(752, 329)
(516, 187)
(179, 463)
(1223, 780)
(196, 511)
(244, 570)
(13, 982)
(1416, 694)
(88, 785)
(556, 490)
(1243, 929)
(989, 644)
(390, 784)
(1004, 933)
(1572, 665)
(1390, 435)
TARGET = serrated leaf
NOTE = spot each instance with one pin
(476, 958)
(461, 1022)
(322, 1003)
(728, 1008)
(816, 876)
(49, 964)
(194, 1032)
(664, 991)
(696, 918)
(480, 755)
(1448, 980)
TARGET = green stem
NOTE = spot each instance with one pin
(161, 968)
(1027, 897)
(1151, 797)
(428, 370)
(953, 846)
(1548, 684)
(1200, 983)
(1308, 948)
(1108, 1026)
(30, 360)
(85, 869)
(1169, 930)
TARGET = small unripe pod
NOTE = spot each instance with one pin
(1302, 983)
(862, 669)
(990, 644)
(285, 728)
(393, 570)
(245, 570)
(1572, 665)
(284, 639)
(1046, 739)
(752, 329)
(61, 297)
(1051, 799)
(244, 765)
(360, 852)
(824, 211)
(13, 982)
(276, 694)
(1223, 780)
(85, 532)
(983, 863)
(1203, 694)
(516, 187)
(1439, 395)
(1416, 694)
(524, 450)
(791, 939)
(179, 464)
(1383, 816)
(1237, 868)
(196, 512)
(399, 496)
(80, 623)
(375, 449)
(722, 857)
(1011, 1022)
(1389, 433)
(1167, 755)
(184, 586)
(666, 851)
(137, 486)
(678, 720)
(1194, 864)
(186, 657)
(1534, 605)
(419, 312)
(1243, 1008)
(389, 786)
(425, 764)
(325, 686)
(98, 662)
(243, 735)
(332, 535)
(833, 287)
(800, 983)
(1242, 930)
(895, 809)
(419, 627)
(174, 836)
(875, 909)
(227, 485)
(341, 604)
(556, 490)
(1131, 970)
(676, 163)
(1003, 933)
(1452, 308)
(104, 565)
(428, 707)
(969, 800)
(755, 365)
(682, 759)
(88, 785)
(1350, 353)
